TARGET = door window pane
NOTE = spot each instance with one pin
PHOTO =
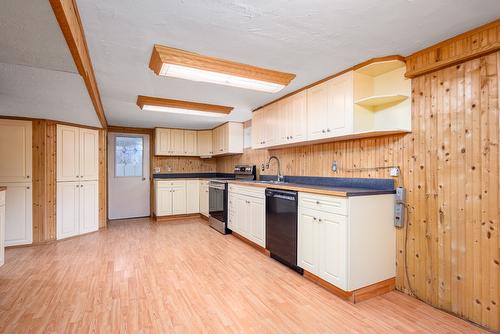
(129, 155)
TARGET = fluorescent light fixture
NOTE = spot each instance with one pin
(182, 64)
(182, 107)
(182, 111)
(195, 74)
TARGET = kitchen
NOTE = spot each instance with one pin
(225, 172)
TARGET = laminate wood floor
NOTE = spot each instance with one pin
(184, 277)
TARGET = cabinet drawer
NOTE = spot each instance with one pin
(170, 184)
(247, 190)
(332, 204)
(2, 198)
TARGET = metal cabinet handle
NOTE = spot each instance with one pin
(27, 187)
(327, 130)
(314, 218)
(323, 131)
(318, 202)
(81, 185)
(291, 137)
(320, 220)
(27, 176)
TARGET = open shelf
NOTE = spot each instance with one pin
(377, 100)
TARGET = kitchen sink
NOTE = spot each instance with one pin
(272, 182)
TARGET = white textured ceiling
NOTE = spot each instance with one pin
(38, 77)
(312, 39)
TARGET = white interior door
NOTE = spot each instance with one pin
(128, 175)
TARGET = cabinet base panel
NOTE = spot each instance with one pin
(202, 216)
(358, 295)
(165, 219)
(251, 243)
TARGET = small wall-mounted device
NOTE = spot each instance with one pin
(335, 166)
(399, 207)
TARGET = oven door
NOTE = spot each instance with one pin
(217, 201)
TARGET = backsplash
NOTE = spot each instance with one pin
(184, 164)
(317, 159)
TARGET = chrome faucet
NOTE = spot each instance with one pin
(280, 177)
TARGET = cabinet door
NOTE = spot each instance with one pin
(89, 207)
(2, 234)
(340, 113)
(162, 142)
(258, 128)
(204, 198)
(257, 219)
(89, 154)
(240, 212)
(18, 214)
(296, 116)
(163, 203)
(318, 103)
(231, 212)
(192, 196)
(177, 142)
(15, 151)
(68, 203)
(179, 200)
(271, 125)
(307, 252)
(68, 153)
(190, 143)
(205, 143)
(332, 239)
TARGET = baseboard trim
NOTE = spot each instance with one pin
(251, 243)
(172, 218)
(358, 295)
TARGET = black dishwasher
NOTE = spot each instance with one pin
(281, 226)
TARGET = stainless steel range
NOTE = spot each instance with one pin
(217, 196)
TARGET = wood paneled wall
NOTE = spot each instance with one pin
(450, 168)
(184, 164)
(44, 180)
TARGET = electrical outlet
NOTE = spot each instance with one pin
(334, 166)
(394, 171)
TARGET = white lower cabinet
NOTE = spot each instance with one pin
(193, 196)
(348, 242)
(77, 208)
(18, 214)
(178, 197)
(204, 191)
(247, 213)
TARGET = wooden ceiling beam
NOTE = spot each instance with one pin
(66, 12)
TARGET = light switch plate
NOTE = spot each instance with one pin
(394, 171)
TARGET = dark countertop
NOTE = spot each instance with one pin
(317, 189)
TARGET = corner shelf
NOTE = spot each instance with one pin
(377, 100)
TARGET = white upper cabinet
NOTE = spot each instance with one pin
(292, 119)
(15, 151)
(329, 108)
(89, 154)
(228, 138)
(77, 154)
(225, 139)
(190, 142)
(365, 102)
(162, 142)
(205, 148)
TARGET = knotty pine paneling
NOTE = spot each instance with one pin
(44, 180)
(450, 168)
(471, 44)
(183, 164)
